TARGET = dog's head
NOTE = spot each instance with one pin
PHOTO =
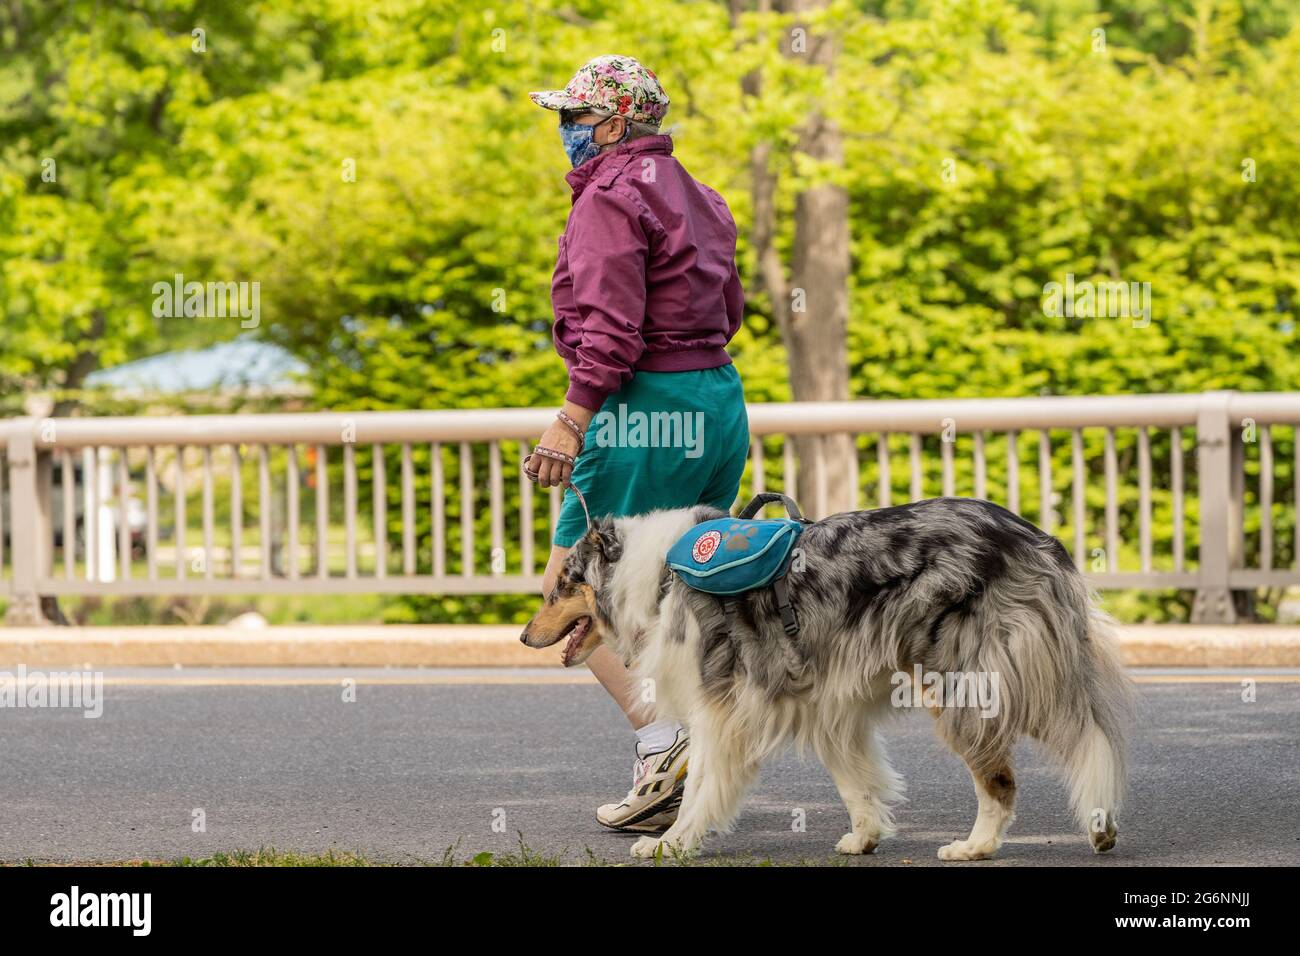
(572, 609)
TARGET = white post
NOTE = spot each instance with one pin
(106, 536)
(88, 521)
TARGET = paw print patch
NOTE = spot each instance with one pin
(738, 535)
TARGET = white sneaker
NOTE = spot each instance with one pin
(658, 781)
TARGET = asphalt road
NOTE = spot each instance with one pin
(424, 761)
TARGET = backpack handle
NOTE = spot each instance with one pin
(767, 497)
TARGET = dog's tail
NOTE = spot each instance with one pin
(1096, 764)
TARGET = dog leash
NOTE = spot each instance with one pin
(561, 457)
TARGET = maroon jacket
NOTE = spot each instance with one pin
(646, 277)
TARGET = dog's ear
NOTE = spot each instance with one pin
(605, 537)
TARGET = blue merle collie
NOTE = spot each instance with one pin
(948, 586)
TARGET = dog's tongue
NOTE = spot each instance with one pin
(575, 638)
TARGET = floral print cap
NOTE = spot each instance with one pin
(615, 84)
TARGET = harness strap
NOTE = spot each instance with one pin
(789, 620)
(729, 609)
(786, 608)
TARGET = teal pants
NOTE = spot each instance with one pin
(665, 440)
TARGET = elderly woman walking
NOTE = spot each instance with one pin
(646, 297)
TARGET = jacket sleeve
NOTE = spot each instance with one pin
(608, 253)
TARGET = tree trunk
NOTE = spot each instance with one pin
(85, 363)
(812, 308)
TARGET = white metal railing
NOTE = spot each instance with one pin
(275, 503)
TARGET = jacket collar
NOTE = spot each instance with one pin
(603, 168)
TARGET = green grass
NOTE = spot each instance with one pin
(521, 856)
(271, 857)
(321, 609)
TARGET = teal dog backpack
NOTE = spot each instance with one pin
(729, 556)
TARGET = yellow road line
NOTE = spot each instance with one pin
(585, 678)
(1217, 678)
(562, 678)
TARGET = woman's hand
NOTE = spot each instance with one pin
(561, 438)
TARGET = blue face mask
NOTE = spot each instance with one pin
(579, 141)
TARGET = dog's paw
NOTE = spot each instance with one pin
(966, 850)
(1102, 831)
(646, 847)
(855, 844)
(1104, 840)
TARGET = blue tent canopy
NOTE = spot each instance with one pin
(244, 363)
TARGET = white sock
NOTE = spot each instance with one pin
(657, 737)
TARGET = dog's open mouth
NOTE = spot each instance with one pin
(575, 650)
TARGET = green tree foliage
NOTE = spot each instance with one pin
(93, 98)
(378, 168)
